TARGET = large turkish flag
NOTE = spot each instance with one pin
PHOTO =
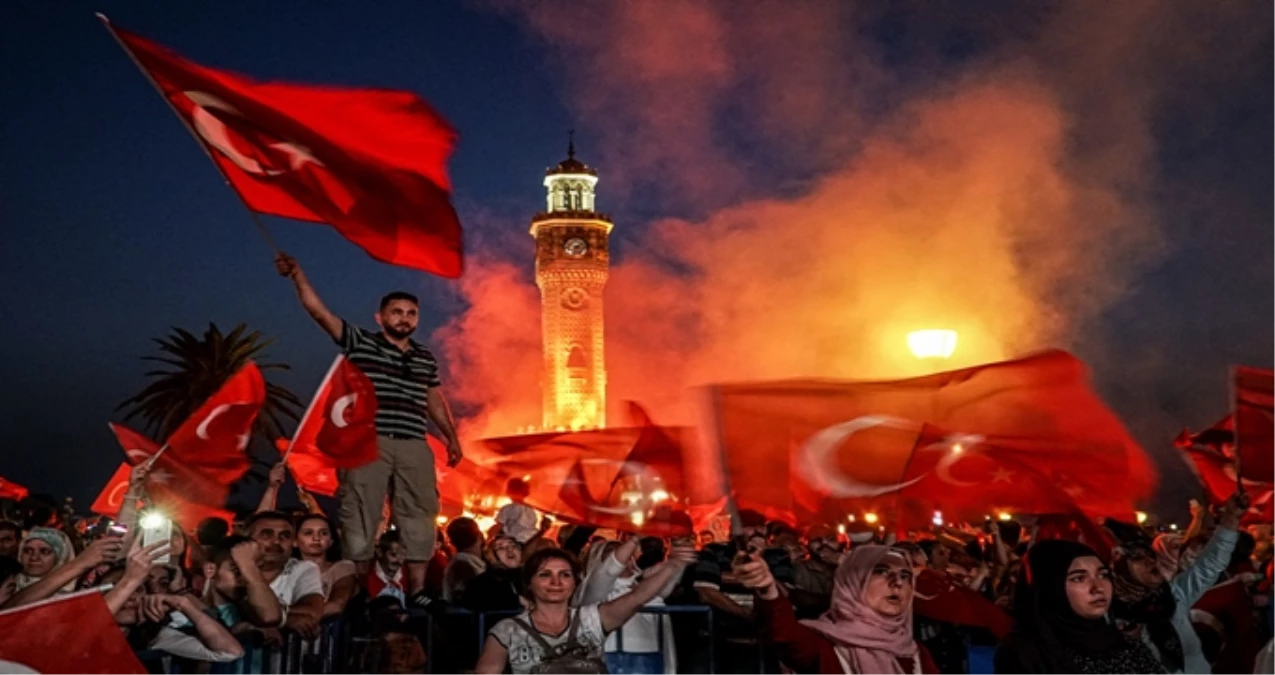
(370, 162)
(213, 441)
(65, 634)
(1028, 435)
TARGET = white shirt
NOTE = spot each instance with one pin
(525, 652)
(298, 579)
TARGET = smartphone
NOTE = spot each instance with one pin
(156, 528)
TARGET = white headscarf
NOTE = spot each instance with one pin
(63, 551)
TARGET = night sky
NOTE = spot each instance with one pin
(116, 226)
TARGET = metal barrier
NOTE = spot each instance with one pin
(337, 650)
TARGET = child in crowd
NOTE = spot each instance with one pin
(516, 519)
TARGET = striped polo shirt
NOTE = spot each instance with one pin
(400, 378)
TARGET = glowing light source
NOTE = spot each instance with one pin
(932, 343)
(1004, 516)
(638, 518)
(658, 495)
(1173, 526)
(441, 519)
(152, 520)
(870, 518)
(1141, 516)
(527, 477)
(958, 448)
(841, 529)
(938, 518)
(851, 518)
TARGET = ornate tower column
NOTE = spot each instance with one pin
(572, 259)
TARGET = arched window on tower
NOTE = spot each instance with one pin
(576, 358)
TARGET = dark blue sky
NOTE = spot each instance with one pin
(117, 227)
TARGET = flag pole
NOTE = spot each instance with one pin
(1235, 429)
(256, 219)
(309, 410)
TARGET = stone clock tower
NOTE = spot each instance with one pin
(571, 270)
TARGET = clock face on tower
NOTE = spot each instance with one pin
(576, 247)
(575, 299)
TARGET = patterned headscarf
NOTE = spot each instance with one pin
(63, 552)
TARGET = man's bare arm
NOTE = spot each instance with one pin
(329, 322)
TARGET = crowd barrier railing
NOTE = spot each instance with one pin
(337, 650)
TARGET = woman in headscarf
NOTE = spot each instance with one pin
(1060, 608)
(43, 550)
(868, 627)
(1158, 611)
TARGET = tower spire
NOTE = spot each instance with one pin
(571, 143)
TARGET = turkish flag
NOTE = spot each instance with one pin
(644, 519)
(1255, 423)
(111, 500)
(977, 438)
(214, 439)
(186, 495)
(549, 459)
(72, 633)
(370, 162)
(11, 490)
(658, 455)
(1216, 472)
(340, 423)
(937, 597)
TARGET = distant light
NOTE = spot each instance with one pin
(841, 529)
(938, 518)
(153, 519)
(1173, 526)
(870, 518)
(441, 519)
(659, 495)
(503, 501)
(527, 477)
(957, 448)
(1005, 516)
(851, 518)
(638, 518)
(932, 343)
(1141, 516)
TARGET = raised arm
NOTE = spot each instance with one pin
(617, 612)
(1197, 579)
(329, 322)
(140, 561)
(601, 579)
(270, 498)
(106, 548)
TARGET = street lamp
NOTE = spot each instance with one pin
(932, 343)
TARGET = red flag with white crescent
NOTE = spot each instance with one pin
(186, 495)
(72, 633)
(1255, 423)
(340, 423)
(815, 445)
(213, 441)
(372, 163)
(111, 500)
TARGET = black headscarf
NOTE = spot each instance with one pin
(1050, 637)
(1151, 607)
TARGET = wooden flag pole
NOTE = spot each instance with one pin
(256, 219)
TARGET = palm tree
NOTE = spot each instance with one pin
(201, 367)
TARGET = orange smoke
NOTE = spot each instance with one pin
(987, 202)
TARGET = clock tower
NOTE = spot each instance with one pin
(572, 258)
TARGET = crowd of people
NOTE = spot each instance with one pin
(1194, 601)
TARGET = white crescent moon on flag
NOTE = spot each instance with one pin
(943, 469)
(116, 498)
(202, 430)
(215, 133)
(338, 410)
(816, 457)
(137, 456)
(15, 667)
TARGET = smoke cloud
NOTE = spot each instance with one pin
(829, 178)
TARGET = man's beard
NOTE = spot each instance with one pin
(398, 333)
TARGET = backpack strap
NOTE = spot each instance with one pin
(535, 634)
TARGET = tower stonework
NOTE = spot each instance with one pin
(572, 261)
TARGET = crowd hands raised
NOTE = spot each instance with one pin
(813, 601)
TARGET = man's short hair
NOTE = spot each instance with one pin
(220, 552)
(398, 295)
(389, 538)
(464, 533)
(12, 527)
(266, 515)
